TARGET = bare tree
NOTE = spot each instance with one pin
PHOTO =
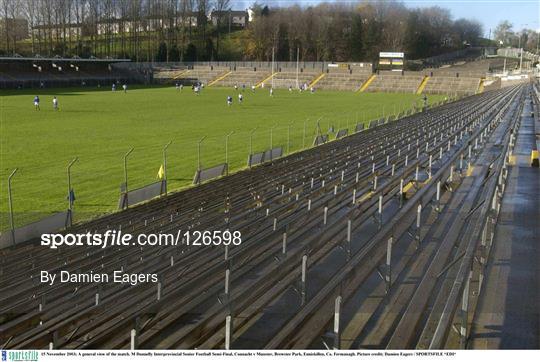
(503, 32)
(221, 7)
(146, 29)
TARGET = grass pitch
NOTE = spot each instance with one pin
(99, 127)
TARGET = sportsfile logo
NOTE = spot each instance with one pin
(20, 356)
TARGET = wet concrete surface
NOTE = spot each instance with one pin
(508, 314)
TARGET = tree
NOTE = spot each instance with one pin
(331, 31)
(191, 53)
(30, 10)
(202, 22)
(174, 54)
(161, 55)
(221, 6)
(503, 32)
(356, 37)
(467, 32)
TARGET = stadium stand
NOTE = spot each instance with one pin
(461, 86)
(459, 78)
(189, 75)
(287, 78)
(168, 74)
(492, 84)
(395, 83)
(464, 55)
(60, 72)
(244, 76)
(498, 64)
(350, 79)
(466, 77)
(513, 80)
(477, 68)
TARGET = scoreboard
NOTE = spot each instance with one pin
(391, 61)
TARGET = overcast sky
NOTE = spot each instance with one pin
(521, 13)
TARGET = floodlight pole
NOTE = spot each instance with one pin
(297, 65)
(227, 151)
(165, 164)
(272, 67)
(520, 54)
(520, 60)
(70, 200)
(11, 221)
(199, 153)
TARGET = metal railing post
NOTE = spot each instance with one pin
(289, 137)
(251, 140)
(70, 199)
(199, 153)
(10, 199)
(304, 134)
(227, 150)
(126, 175)
(165, 164)
(272, 136)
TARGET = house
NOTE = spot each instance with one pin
(190, 18)
(231, 18)
(114, 26)
(60, 31)
(108, 27)
(150, 23)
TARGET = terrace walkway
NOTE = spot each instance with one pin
(508, 312)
